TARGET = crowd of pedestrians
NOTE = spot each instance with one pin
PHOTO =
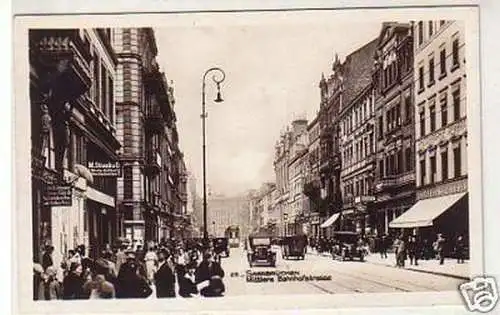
(172, 269)
(405, 248)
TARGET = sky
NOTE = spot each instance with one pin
(273, 64)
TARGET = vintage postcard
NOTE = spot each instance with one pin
(309, 159)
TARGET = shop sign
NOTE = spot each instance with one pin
(57, 196)
(107, 169)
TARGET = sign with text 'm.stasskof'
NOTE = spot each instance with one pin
(112, 169)
(57, 195)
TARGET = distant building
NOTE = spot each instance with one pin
(224, 212)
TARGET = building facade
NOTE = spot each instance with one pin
(312, 186)
(281, 158)
(440, 131)
(297, 205)
(72, 74)
(151, 190)
(395, 131)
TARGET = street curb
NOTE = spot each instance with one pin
(444, 274)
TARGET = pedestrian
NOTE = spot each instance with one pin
(99, 288)
(413, 250)
(73, 283)
(49, 288)
(187, 284)
(384, 242)
(37, 280)
(121, 258)
(441, 247)
(460, 249)
(130, 284)
(164, 277)
(151, 260)
(47, 257)
(211, 274)
(401, 252)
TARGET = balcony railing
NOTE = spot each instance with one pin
(395, 181)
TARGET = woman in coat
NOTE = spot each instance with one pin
(49, 288)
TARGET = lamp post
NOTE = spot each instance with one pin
(217, 80)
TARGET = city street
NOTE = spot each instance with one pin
(346, 277)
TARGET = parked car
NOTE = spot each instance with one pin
(347, 246)
(221, 245)
(294, 246)
(259, 250)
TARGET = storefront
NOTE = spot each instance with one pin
(448, 215)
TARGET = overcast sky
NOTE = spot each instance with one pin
(272, 75)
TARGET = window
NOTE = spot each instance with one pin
(431, 71)
(380, 127)
(408, 108)
(400, 168)
(111, 105)
(408, 159)
(432, 117)
(421, 78)
(381, 168)
(97, 91)
(433, 169)
(444, 165)
(456, 104)
(398, 115)
(388, 120)
(442, 61)
(79, 149)
(455, 53)
(457, 160)
(422, 122)
(104, 88)
(422, 172)
(431, 28)
(444, 110)
(50, 151)
(441, 22)
(127, 182)
(420, 32)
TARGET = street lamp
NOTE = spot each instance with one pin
(218, 80)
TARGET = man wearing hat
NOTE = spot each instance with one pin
(211, 271)
(165, 277)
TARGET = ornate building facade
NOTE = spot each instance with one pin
(152, 190)
(395, 131)
(312, 186)
(440, 131)
(72, 74)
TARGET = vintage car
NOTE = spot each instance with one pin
(259, 250)
(221, 245)
(346, 246)
(293, 246)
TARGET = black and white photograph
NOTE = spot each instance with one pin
(219, 157)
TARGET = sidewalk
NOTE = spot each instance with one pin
(450, 268)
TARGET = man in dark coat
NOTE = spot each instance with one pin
(165, 277)
(211, 271)
(129, 283)
(47, 257)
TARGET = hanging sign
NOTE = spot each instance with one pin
(108, 169)
(57, 195)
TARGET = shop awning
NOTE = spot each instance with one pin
(330, 220)
(100, 197)
(424, 212)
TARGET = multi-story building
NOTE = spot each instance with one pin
(72, 74)
(312, 186)
(281, 157)
(297, 200)
(224, 212)
(151, 191)
(395, 131)
(357, 145)
(330, 203)
(440, 131)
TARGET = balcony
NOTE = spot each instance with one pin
(395, 181)
(364, 199)
(64, 57)
(153, 119)
(153, 162)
